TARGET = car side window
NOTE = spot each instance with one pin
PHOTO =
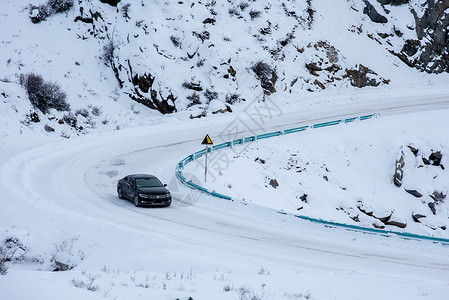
(125, 179)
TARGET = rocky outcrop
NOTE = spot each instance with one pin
(267, 76)
(110, 2)
(373, 14)
(430, 52)
(399, 171)
(361, 76)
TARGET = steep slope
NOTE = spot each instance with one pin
(207, 56)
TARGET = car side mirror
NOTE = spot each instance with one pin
(165, 185)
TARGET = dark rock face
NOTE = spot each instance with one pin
(399, 172)
(432, 55)
(359, 77)
(396, 223)
(110, 2)
(432, 207)
(393, 2)
(416, 217)
(274, 183)
(373, 14)
(438, 196)
(267, 76)
(414, 193)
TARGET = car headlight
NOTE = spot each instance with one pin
(167, 195)
(143, 196)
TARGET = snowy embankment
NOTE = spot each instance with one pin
(346, 173)
(61, 206)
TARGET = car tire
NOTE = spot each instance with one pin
(136, 201)
(119, 192)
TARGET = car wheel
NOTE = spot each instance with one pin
(136, 201)
(119, 192)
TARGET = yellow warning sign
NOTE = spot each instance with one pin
(207, 140)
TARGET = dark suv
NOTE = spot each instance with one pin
(143, 190)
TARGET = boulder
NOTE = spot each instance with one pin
(110, 2)
(274, 183)
(437, 196)
(393, 2)
(373, 14)
(399, 172)
(435, 158)
(416, 217)
(432, 207)
(414, 193)
(396, 223)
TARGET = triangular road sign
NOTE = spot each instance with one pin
(207, 140)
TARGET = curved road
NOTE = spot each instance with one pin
(78, 177)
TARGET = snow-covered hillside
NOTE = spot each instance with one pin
(201, 57)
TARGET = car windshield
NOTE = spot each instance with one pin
(148, 182)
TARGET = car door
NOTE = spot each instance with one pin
(131, 188)
(125, 187)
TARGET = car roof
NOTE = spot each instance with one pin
(142, 176)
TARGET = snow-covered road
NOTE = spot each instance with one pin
(75, 180)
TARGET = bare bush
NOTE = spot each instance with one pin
(8, 253)
(43, 11)
(108, 52)
(233, 98)
(44, 95)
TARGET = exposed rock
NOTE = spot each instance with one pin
(110, 2)
(432, 26)
(223, 110)
(378, 226)
(267, 76)
(435, 158)
(274, 183)
(396, 223)
(414, 193)
(437, 196)
(209, 21)
(144, 82)
(432, 207)
(359, 77)
(373, 14)
(399, 172)
(416, 217)
(393, 2)
(303, 198)
(413, 149)
(312, 67)
(355, 218)
(60, 266)
(384, 219)
(364, 210)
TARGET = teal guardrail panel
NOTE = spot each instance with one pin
(268, 135)
(366, 117)
(249, 139)
(326, 124)
(222, 145)
(197, 187)
(199, 153)
(215, 194)
(350, 119)
(298, 129)
(237, 142)
(179, 175)
(374, 230)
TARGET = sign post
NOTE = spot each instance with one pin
(206, 141)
